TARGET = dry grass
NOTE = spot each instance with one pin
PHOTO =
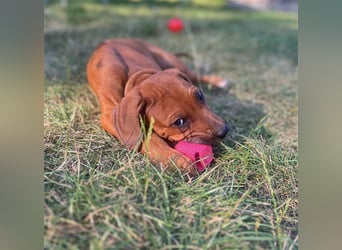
(99, 195)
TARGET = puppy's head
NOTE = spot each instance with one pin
(177, 107)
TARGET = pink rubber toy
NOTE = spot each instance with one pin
(202, 154)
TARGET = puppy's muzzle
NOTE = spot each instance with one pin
(223, 132)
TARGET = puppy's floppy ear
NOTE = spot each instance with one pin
(137, 78)
(126, 115)
(126, 119)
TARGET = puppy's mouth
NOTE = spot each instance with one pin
(193, 140)
(199, 151)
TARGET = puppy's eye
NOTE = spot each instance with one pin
(179, 122)
(200, 96)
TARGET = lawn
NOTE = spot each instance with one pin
(99, 195)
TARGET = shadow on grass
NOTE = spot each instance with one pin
(244, 118)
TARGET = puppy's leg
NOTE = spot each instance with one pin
(107, 85)
(107, 104)
(159, 151)
(107, 121)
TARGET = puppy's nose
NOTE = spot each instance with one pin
(223, 132)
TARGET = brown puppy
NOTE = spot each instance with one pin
(135, 81)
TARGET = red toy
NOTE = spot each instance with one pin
(175, 25)
(202, 154)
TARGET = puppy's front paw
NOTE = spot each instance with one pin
(185, 165)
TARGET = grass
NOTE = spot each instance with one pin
(99, 195)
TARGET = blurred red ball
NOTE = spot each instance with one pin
(175, 25)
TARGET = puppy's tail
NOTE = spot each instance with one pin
(214, 80)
